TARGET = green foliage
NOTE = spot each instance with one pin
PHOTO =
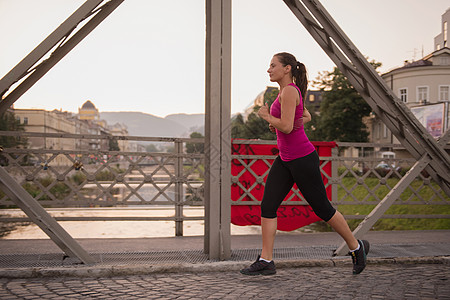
(313, 129)
(341, 170)
(360, 192)
(401, 224)
(151, 148)
(113, 145)
(60, 190)
(195, 147)
(254, 127)
(107, 175)
(8, 122)
(397, 209)
(341, 111)
(395, 224)
(78, 178)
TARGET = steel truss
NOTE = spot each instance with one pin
(429, 153)
(29, 71)
(217, 120)
(64, 38)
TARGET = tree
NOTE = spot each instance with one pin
(113, 145)
(342, 109)
(195, 147)
(254, 127)
(9, 122)
(313, 129)
(151, 148)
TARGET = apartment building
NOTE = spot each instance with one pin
(87, 122)
(423, 85)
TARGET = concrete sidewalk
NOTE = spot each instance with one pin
(115, 257)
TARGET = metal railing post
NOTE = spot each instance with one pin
(334, 173)
(179, 188)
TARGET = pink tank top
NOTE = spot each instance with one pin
(295, 144)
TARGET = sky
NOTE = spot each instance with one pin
(149, 56)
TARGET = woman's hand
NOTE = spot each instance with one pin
(306, 116)
(263, 112)
(271, 128)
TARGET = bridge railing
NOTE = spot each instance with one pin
(72, 178)
(353, 173)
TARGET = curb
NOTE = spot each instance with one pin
(223, 266)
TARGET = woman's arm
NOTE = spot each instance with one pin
(285, 124)
(306, 116)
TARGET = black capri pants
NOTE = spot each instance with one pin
(305, 172)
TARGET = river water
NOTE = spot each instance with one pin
(116, 229)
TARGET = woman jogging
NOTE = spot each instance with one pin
(298, 162)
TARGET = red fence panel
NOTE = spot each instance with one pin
(249, 173)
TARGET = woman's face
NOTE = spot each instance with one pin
(276, 70)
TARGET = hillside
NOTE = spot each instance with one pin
(193, 122)
(142, 124)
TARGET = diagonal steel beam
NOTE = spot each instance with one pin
(394, 113)
(30, 73)
(384, 204)
(41, 218)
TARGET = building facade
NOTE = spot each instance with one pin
(88, 111)
(88, 122)
(441, 40)
(423, 86)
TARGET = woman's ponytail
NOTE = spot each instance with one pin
(301, 79)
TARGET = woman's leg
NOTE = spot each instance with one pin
(278, 184)
(306, 172)
(269, 230)
(341, 227)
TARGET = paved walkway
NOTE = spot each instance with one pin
(423, 281)
(401, 265)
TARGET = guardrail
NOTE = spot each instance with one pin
(101, 178)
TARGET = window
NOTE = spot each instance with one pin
(379, 131)
(444, 93)
(386, 131)
(422, 94)
(311, 98)
(404, 94)
(445, 61)
(25, 120)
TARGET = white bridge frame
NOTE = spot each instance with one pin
(429, 153)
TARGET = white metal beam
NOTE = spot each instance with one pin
(41, 218)
(217, 129)
(30, 71)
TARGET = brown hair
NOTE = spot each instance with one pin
(298, 71)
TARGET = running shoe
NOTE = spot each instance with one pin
(260, 267)
(359, 257)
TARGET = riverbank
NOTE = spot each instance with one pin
(114, 229)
